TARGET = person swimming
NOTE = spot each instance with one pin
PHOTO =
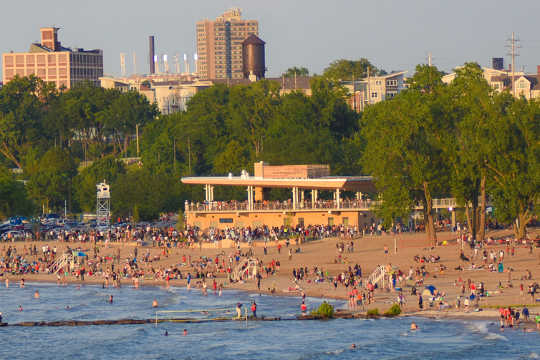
(353, 346)
(166, 333)
(20, 308)
(414, 326)
(155, 303)
(110, 299)
(185, 332)
(36, 295)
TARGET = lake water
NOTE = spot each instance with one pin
(375, 339)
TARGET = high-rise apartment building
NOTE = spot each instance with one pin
(219, 45)
(52, 62)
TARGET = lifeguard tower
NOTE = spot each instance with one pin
(103, 204)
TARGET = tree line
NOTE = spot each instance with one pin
(463, 140)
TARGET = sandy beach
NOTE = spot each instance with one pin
(368, 253)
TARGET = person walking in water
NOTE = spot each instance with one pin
(254, 308)
(239, 310)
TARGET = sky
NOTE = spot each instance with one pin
(392, 34)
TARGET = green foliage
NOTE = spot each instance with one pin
(325, 310)
(394, 310)
(295, 71)
(348, 69)
(51, 184)
(23, 103)
(404, 152)
(13, 197)
(513, 161)
(373, 312)
(108, 169)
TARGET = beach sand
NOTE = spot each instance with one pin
(368, 252)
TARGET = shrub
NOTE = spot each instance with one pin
(325, 310)
(373, 312)
(395, 310)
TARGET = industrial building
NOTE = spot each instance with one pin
(220, 45)
(170, 92)
(54, 63)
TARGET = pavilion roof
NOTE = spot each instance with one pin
(349, 183)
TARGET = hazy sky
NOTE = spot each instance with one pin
(392, 34)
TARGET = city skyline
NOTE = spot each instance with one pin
(392, 35)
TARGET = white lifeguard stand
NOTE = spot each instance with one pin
(103, 204)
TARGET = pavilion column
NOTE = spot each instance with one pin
(212, 192)
(338, 199)
(250, 197)
(314, 197)
(301, 198)
(295, 198)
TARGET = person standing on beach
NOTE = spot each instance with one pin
(525, 313)
(420, 302)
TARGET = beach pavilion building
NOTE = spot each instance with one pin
(305, 207)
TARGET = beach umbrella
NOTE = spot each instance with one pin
(431, 288)
(80, 253)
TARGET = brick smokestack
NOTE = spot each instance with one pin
(151, 53)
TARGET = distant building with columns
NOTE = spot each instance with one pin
(299, 210)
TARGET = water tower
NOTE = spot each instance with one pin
(253, 56)
(103, 204)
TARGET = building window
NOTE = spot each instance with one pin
(374, 95)
(391, 83)
(330, 221)
(378, 82)
(345, 221)
(522, 84)
(225, 220)
(301, 222)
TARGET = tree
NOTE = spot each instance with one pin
(251, 109)
(22, 108)
(470, 114)
(295, 71)
(126, 112)
(51, 184)
(351, 69)
(403, 151)
(108, 169)
(13, 196)
(514, 161)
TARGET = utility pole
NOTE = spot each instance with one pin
(174, 155)
(189, 155)
(137, 135)
(514, 46)
(429, 59)
(368, 87)
(353, 93)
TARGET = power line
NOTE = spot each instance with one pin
(513, 45)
